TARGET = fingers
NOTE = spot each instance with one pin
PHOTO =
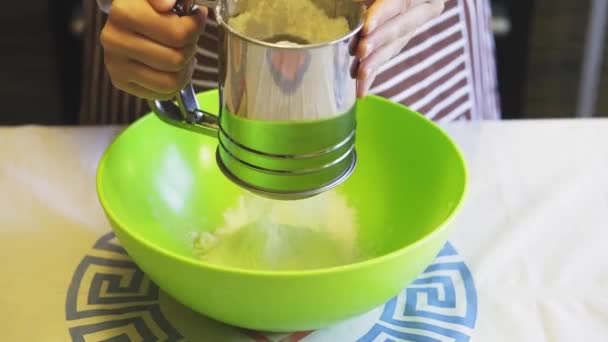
(381, 11)
(399, 26)
(119, 42)
(165, 28)
(129, 75)
(148, 50)
(389, 27)
(141, 92)
(369, 67)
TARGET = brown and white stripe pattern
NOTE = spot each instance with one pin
(439, 73)
(446, 72)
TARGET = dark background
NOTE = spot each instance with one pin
(539, 60)
(39, 62)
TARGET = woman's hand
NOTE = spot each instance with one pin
(148, 50)
(389, 26)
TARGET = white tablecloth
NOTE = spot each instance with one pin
(535, 227)
(533, 234)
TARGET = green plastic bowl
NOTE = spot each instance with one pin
(158, 184)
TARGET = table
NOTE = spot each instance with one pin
(532, 236)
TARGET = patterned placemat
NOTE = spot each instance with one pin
(111, 299)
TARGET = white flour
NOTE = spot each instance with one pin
(301, 18)
(260, 233)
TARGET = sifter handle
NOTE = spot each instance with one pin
(187, 113)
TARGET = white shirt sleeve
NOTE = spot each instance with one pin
(104, 5)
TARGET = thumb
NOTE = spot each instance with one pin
(162, 6)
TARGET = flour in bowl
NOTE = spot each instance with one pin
(263, 234)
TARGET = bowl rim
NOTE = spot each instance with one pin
(285, 273)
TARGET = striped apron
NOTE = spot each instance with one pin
(447, 72)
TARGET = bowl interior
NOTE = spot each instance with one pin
(161, 184)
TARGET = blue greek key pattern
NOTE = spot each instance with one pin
(111, 299)
(441, 305)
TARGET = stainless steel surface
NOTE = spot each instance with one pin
(206, 3)
(349, 140)
(593, 59)
(186, 114)
(287, 195)
(184, 7)
(286, 125)
(296, 171)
